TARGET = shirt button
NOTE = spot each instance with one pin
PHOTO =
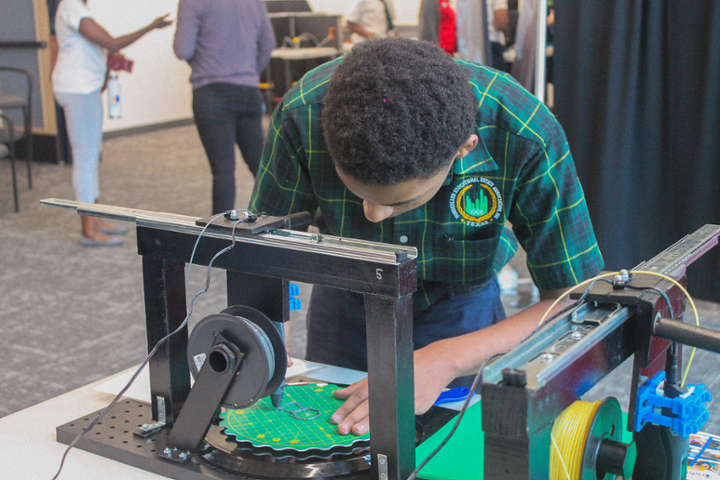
(403, 238)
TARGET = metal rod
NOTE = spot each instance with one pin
(691, 335)
(540, 50)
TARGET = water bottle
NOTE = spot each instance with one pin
(113, 96)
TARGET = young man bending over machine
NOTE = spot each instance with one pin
(397, 142)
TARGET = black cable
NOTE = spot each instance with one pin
(162, 340)
(670, 387)
(465, 405)
(587, 292)
(660, 292)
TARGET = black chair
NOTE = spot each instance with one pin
(7, 150)
(11, 101)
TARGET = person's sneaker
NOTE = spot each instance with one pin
(110, 242)
(115, 231)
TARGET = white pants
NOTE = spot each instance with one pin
(84, 116)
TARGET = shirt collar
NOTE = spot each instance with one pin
(478, 160)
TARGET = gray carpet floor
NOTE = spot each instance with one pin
(70, 315)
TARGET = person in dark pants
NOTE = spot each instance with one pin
(228, 44)
(440, 154)
(226, 114)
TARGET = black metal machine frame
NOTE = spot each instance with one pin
(258, 270)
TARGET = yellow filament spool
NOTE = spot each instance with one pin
(569, 434)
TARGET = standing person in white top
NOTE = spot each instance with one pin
(78, 78)
(371, 19)
(498, 22)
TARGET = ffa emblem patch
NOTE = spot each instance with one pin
(476, 201)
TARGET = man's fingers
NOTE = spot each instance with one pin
(357, 421)
(345, 393)
(355, 408)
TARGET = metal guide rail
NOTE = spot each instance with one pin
(274, 236)
(559, 344)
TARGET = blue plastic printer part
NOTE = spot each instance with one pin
(689, 410)
(295, 304)
(456, 394)
(294, 292)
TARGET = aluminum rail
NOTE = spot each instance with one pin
(290, 239)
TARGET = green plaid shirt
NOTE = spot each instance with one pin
(521, 171)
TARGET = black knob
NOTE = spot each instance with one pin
(615, 457)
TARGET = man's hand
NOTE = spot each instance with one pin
(160, 22)
(354, 414)
(432, 373)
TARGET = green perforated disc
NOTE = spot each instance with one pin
(263, 426)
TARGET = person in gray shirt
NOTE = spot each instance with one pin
(228, 44)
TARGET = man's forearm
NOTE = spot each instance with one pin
(360, 30)
(465, 354)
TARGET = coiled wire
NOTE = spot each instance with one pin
(569, 434)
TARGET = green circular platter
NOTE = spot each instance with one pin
(261, 425)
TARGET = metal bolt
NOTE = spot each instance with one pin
(549, 356)
(183, 456)
(167, 451)
(576, 335)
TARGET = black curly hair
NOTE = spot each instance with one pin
(397, 109)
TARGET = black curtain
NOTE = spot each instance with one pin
(637, 89)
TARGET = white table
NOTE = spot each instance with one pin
(29, 451)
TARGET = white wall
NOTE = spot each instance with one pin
(407, 10)
(158, 89)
